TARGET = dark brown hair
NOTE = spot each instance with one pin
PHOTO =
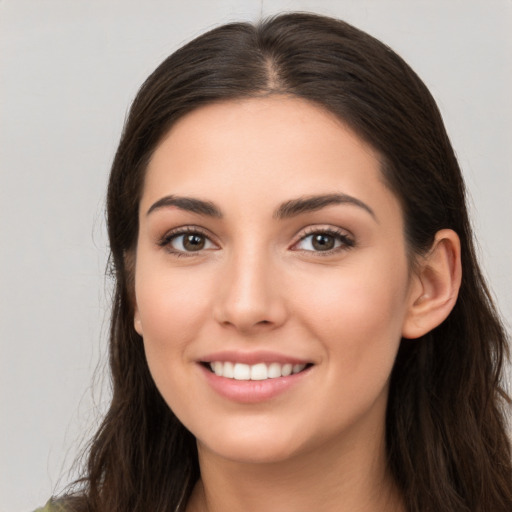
(446, 435)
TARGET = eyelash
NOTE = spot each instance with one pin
(345, 241)
(170, 236)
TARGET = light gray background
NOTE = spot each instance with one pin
(69, 69)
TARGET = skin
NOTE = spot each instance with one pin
(259, 283)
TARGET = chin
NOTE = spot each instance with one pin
(244, 454)
(254, 448)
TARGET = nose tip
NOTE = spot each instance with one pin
(247, 320)
(250, 300)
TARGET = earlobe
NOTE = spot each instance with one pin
(137, 324)
(436, 286)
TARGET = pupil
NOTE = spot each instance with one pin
(193, 242)
(323, 242)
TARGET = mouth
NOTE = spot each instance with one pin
(255, 372)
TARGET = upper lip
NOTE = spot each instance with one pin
(260, 356)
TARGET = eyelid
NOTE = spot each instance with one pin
(167, 238)
(347, 239)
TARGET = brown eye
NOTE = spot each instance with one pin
(193, 242)
(323, 242)
(187, 242)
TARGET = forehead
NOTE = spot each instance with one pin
(263, 150)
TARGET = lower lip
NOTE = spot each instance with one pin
(252, 391)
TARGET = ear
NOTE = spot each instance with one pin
(137, 324)
(129, 264)
(435, 285)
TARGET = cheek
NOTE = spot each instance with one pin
(171, 312)
(171, 309)
(359, 317)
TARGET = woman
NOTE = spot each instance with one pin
(299, 320)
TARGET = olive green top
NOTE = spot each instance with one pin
(51, 506)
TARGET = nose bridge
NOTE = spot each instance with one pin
(249, 295)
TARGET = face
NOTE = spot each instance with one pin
(271, 279)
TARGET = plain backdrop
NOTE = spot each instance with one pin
(68, 71)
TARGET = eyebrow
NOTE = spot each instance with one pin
(188, 204)
(286, 210)
(313, 203)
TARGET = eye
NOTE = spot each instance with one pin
(187, 241)
(324, 241)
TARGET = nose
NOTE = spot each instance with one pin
(251, 298)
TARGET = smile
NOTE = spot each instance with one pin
(259, 371)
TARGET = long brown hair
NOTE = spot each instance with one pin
(446, 435)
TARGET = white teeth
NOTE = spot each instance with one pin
(259, 371)
(228, 370)
(241, 371)
(217, 368)
(298, 368)
(286, 369)
(274, 370)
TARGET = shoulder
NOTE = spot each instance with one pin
(52, 506)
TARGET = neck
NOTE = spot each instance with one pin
(347, 477)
